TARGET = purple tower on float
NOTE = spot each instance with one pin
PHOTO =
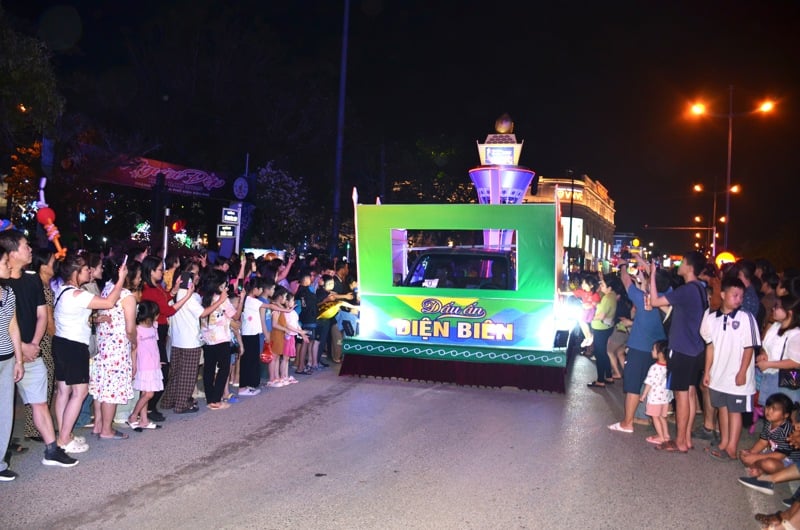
(499, 179)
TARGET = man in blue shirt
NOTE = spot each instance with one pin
(686, 360)
(647, 329)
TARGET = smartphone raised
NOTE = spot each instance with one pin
(186, 279)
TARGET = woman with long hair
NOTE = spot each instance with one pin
(72, 308)
(114, 365)
(154, 291)
(780, 349)
(216, 331)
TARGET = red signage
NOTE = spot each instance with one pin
(141, 173)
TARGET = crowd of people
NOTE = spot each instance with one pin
(723, 341)
(110, 341)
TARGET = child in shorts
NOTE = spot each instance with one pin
(657, 394)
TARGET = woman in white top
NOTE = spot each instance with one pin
(216, 331)
(72, 310)
(780, 348)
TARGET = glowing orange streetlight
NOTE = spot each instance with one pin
(767, 106)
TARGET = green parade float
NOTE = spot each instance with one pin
(485, 314)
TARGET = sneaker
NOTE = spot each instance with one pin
(58, 457)
(74, 446)
(764, 486)
(247, 391)
(7, 475)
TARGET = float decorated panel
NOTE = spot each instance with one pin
(431, 289)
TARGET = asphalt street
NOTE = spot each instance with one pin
(350, 453)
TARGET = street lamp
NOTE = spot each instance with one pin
(699, 188)
(699, 109)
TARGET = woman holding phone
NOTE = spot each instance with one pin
(153, 290)
(73, 307)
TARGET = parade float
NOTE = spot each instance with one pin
(486, 313)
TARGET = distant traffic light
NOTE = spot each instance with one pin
(177, 225)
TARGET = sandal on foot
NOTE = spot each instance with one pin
(151, 425)
(655, 440)
(596, 384)
(769, 518)
(670, 447)
(17, 449)
(117, 436)
(619, 428)
(720, 456)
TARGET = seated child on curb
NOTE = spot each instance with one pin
(657, 395)
(772, 451)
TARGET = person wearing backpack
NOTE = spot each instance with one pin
(686, 359)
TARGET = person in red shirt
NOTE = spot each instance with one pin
(153, 290)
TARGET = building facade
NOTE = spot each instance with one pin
(587, 218)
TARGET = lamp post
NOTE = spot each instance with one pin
(713, 226)
(699, 109)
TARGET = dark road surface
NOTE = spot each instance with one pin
(338, 452)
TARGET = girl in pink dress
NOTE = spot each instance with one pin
(149, 378)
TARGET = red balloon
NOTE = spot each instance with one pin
(45, 216)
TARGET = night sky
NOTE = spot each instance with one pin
(598, 88)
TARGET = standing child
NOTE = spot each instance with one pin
(657, 394)
(284, 328)
(149, 378)
(730, 336)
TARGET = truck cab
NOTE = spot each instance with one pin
(463, 268)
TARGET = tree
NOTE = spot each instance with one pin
(29, 99)
(432, 172)
(282, 214)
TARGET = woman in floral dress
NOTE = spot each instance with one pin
(113, 367)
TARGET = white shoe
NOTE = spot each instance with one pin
(74, 446)
(247, 391)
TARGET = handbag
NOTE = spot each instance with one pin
(266, 353)
(788, 377)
